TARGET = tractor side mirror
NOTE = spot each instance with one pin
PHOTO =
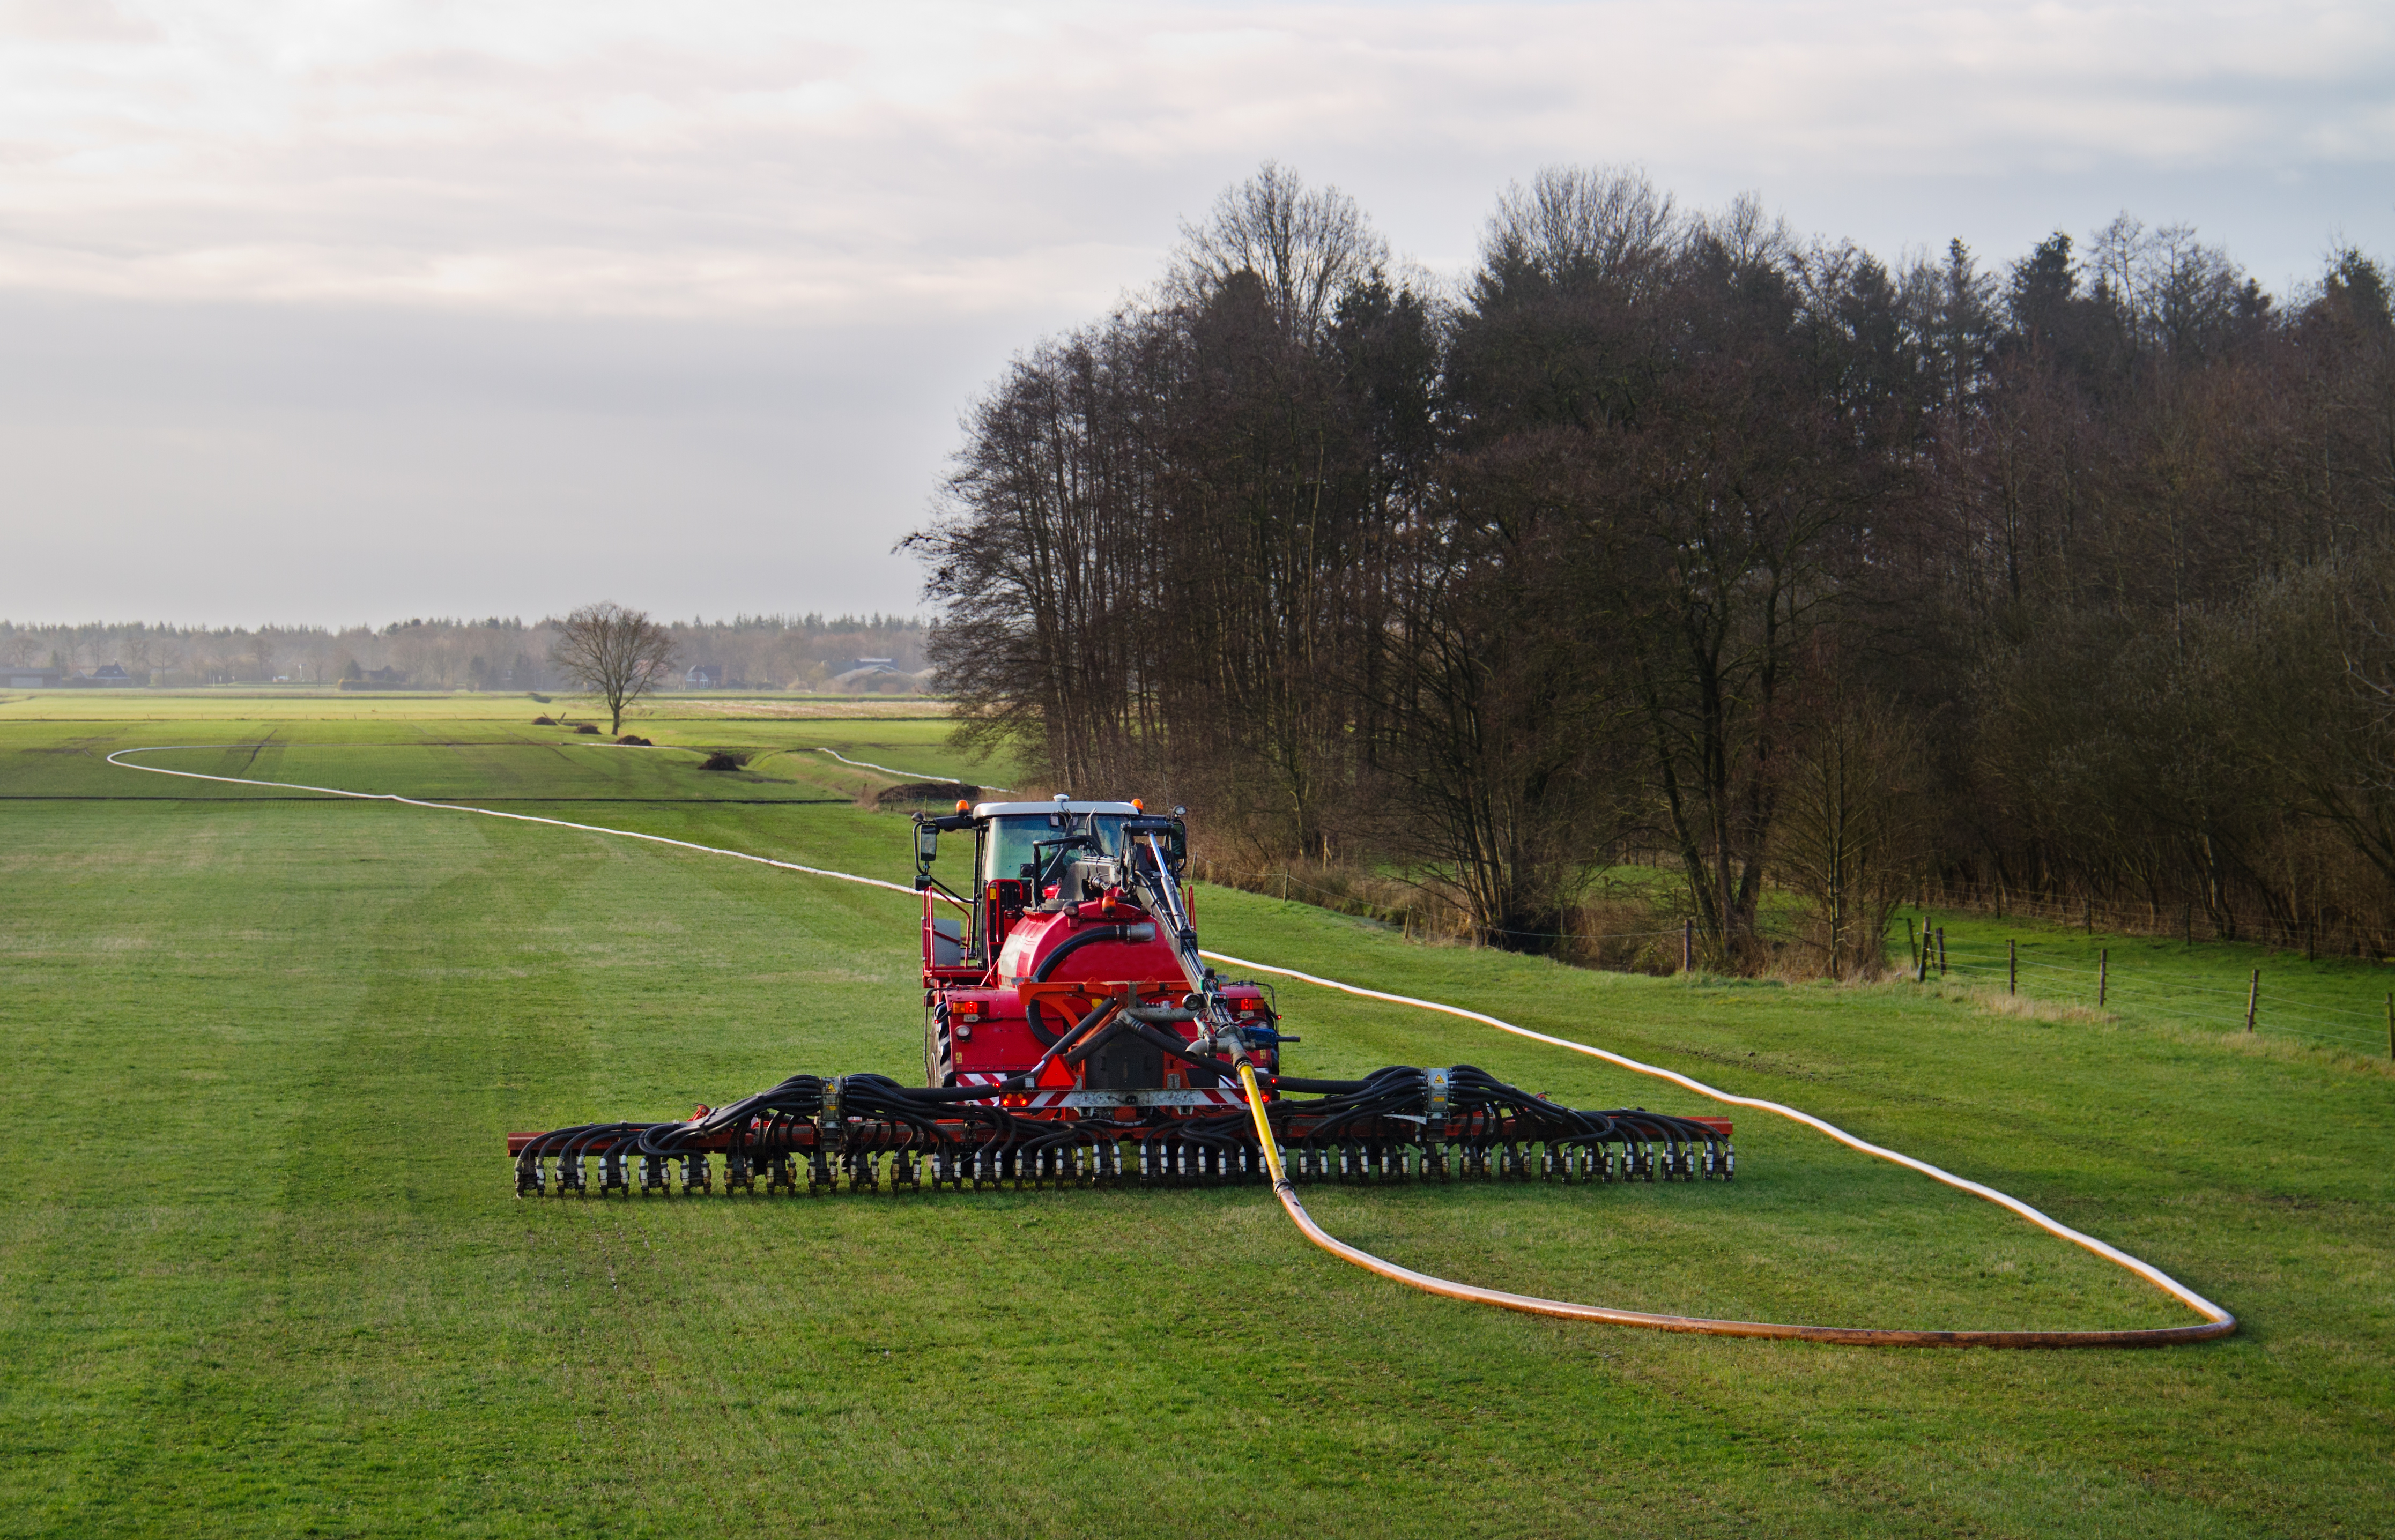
(927, 847)
(1174, 832)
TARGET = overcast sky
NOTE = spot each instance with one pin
(354, 311)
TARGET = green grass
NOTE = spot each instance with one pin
(455, 758)
(2332, 1003)
(305, 703)
(261, 1271)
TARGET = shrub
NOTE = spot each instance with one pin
(590, 728)
(543, 721)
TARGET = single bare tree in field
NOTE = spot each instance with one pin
(615, 653)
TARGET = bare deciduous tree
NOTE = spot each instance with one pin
(1587, 225)
(614, 653)
(1851, 836)
(1305, 248)
(1499, 589)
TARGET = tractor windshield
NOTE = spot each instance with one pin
(1006, 853)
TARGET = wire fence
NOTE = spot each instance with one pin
(2261, 1005)
(1432, 916)
(2104, 985)
(2328, 933)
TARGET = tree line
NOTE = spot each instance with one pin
(794, 651)
(1669, 537)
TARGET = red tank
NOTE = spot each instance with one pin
(1051, 963)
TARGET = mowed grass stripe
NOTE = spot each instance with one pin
(349, 1286)
(1136, 1362)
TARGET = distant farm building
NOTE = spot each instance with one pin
(374, 679)
(705, 676)
(30, 678)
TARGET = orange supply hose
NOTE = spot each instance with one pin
(2216, 1323)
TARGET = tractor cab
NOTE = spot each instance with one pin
(1030, 841)
(1025, 857)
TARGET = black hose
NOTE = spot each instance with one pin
(1479, 1108)
(1091, 1044)
(1316, 1088)
(1132, 933)
(1080, 1032)
(1185, 1052)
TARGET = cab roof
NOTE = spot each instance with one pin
(1017, 810)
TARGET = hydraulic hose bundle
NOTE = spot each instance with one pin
(863, 1132)
(1484, 1119)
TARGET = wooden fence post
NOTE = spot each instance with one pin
(2012, 967)
(1687, 945)
(2104, 970)
(2253, 998)
(1941, 952)
(2390, 1026)
(1921, 968)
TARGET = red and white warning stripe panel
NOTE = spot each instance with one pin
(1060, 1097)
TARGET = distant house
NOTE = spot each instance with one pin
(30, 678)
(703, 675)
(867, 668)
(110, 675)
(376, 678)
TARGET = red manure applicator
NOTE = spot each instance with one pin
(1072, 1036)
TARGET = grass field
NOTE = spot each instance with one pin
(2329, 1002)
(302, 705)
(261, 1271)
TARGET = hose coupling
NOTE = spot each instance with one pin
(831, 1126)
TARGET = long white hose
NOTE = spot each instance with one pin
(911, 775)
(2217, 1321)
(487, 813)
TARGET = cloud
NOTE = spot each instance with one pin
(394, 307)
(809, 162)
